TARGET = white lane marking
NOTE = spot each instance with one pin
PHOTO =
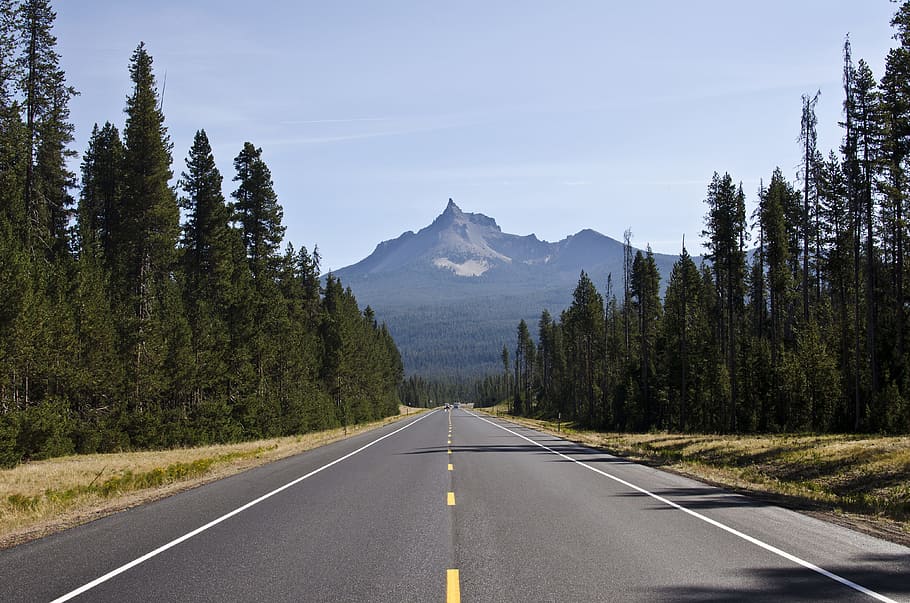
(224, 517)
(706, 519)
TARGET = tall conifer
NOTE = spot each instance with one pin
(256, 208)
(148, 229)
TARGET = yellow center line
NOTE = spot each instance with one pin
(451, 500)
(453, 587)
(451, 467)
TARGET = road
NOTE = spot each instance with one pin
(448, 506)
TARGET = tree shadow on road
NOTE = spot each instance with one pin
(888, 575)
(700, 498)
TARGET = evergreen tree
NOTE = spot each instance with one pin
(725, 235)
(546, 349)
(207, 267)
(48, 131)
(102, 187)
(646, 295)
(125, 340)
(9, 73)
(256, 209)
(853, 184)
(809, 139)
(583, 322)
(894, 118)
(838, 242)
(865, 103)
(683, 326)
(144, 247)
(524, 363)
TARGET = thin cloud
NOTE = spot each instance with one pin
(310, 140)
(344, 120)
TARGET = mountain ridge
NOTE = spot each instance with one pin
(453, 292)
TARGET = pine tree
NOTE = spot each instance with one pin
(853, 184)
(9, 73)
(583, 321)
(256, 209)
(779, 195)
(524, 361)
(682, 325)
(144, 247)
(207, 267)
(838, 240)
(894, 117)
(809, 139)
(646, 293)
(206, 252)
(725, 235)
(13, 136)
(545, 355)
(504, 356)
(48, 130)
(865, 102)
(98, 375)
(102, 186)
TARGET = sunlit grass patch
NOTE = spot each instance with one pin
(843, 473)
(42, 496)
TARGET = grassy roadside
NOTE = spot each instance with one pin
(861, 481)
(43, 497)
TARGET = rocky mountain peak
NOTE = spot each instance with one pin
(462, 275)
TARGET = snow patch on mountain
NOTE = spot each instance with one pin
(473, 267)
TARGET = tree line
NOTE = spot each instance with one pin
(122, 326)
(796, 320)
(427, 392)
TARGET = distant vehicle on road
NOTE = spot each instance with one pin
(456, 405)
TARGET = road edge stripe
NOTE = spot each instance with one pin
(706, 519)
(116, 572)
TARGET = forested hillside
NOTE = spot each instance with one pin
(452, 291)
(122, 326)
(797, 318)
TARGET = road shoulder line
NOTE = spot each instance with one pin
(116, 572)
(706, 519)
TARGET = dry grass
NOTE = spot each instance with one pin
(42, 497)
(860, 480)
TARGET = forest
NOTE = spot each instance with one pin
(795, 321)
(139, 314)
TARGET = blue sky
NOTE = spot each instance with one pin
(548, 116)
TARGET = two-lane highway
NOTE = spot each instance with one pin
(453, 505)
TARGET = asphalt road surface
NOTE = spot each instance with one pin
(449, 506)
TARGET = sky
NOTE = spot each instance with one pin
(550, 117)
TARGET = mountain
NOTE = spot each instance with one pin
(453, 293)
